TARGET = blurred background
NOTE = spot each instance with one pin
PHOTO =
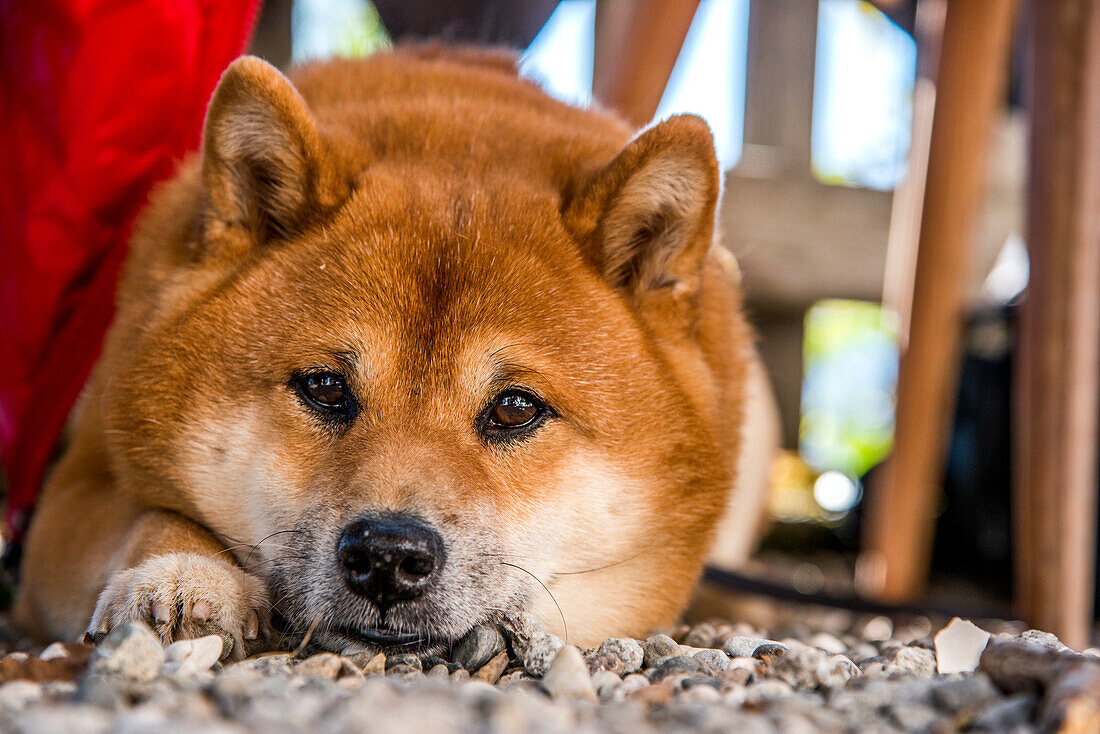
(896, 171)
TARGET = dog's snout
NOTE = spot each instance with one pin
(391, 558)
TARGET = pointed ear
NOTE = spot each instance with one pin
(263, 164)
(646, 220)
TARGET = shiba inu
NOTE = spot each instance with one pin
(408, 347)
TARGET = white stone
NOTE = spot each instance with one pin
(54, 651)
(568, 676)
(188, 657)
(959, 647)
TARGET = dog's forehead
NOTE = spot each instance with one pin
(432, 271)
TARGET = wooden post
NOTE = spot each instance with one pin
(637, 43)
(976, 39)
(1058, 365)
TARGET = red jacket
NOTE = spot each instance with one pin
(99, 99)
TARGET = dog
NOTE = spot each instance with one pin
(408, 347)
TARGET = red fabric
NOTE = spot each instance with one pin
(99, 99)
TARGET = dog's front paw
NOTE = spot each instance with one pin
(186, 595)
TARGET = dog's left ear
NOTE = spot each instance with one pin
(263, 163)
(647, 220)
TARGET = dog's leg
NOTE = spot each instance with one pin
(88, 540)
(177, 578)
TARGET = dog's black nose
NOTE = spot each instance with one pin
(389, 558)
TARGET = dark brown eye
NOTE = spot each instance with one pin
(513, 413)
(514, 409)
(325, 391)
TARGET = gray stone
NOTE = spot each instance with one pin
(916, 660)
(742, 647)
(712, 661)
(829, 643)
(810, 668)
(1015, 711)
(676, 665)
(626, 649)
(534, 646)
(701, 635)
(568, 676)
(767, 650)
(631, 684)
(965, 695)
(405, 660)
(658, 648)
(66, 719)
(478, 646)
(605, 682)
(131, 651)
(17, 694)
(1046, 639)
(699, 694)
(766, 691)
(911, 716)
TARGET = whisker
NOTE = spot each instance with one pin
(564, 624)
(308, 635)
(257, 545)
(600, 568)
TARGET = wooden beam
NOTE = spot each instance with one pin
(1058, 366)
(976, 40)
(636, 46)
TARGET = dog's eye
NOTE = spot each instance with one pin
(325, 391)
(513, 413)
(514, 409)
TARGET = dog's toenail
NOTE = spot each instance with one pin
(252, 626)
(201, 611)
(160, 612)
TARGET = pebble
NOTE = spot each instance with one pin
(376, 665)
(1007, 714)
(877, 629)
(534, 646)
(189, 657)
(681, 683)
(742, 647)
(131, 651)
(676, 665)
(54, 651)
(478, 646)
(965, 695)
(701, 635)
(628, 650)
(631, 684)
(568, 676)
(16, 694)
(605, 682)
(323, 665)
(603, 662)
(911, 716)
(1046, 639)
(490, 672)
(915, 660)
(657, 649)
(828, 643)
(712, 661)
(808, 667)
(959, 647)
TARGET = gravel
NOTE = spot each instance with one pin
(828, 674)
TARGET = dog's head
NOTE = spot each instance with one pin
(423, 392)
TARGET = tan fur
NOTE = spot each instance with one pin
(434, 227)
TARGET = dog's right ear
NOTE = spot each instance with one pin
(264, 167)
